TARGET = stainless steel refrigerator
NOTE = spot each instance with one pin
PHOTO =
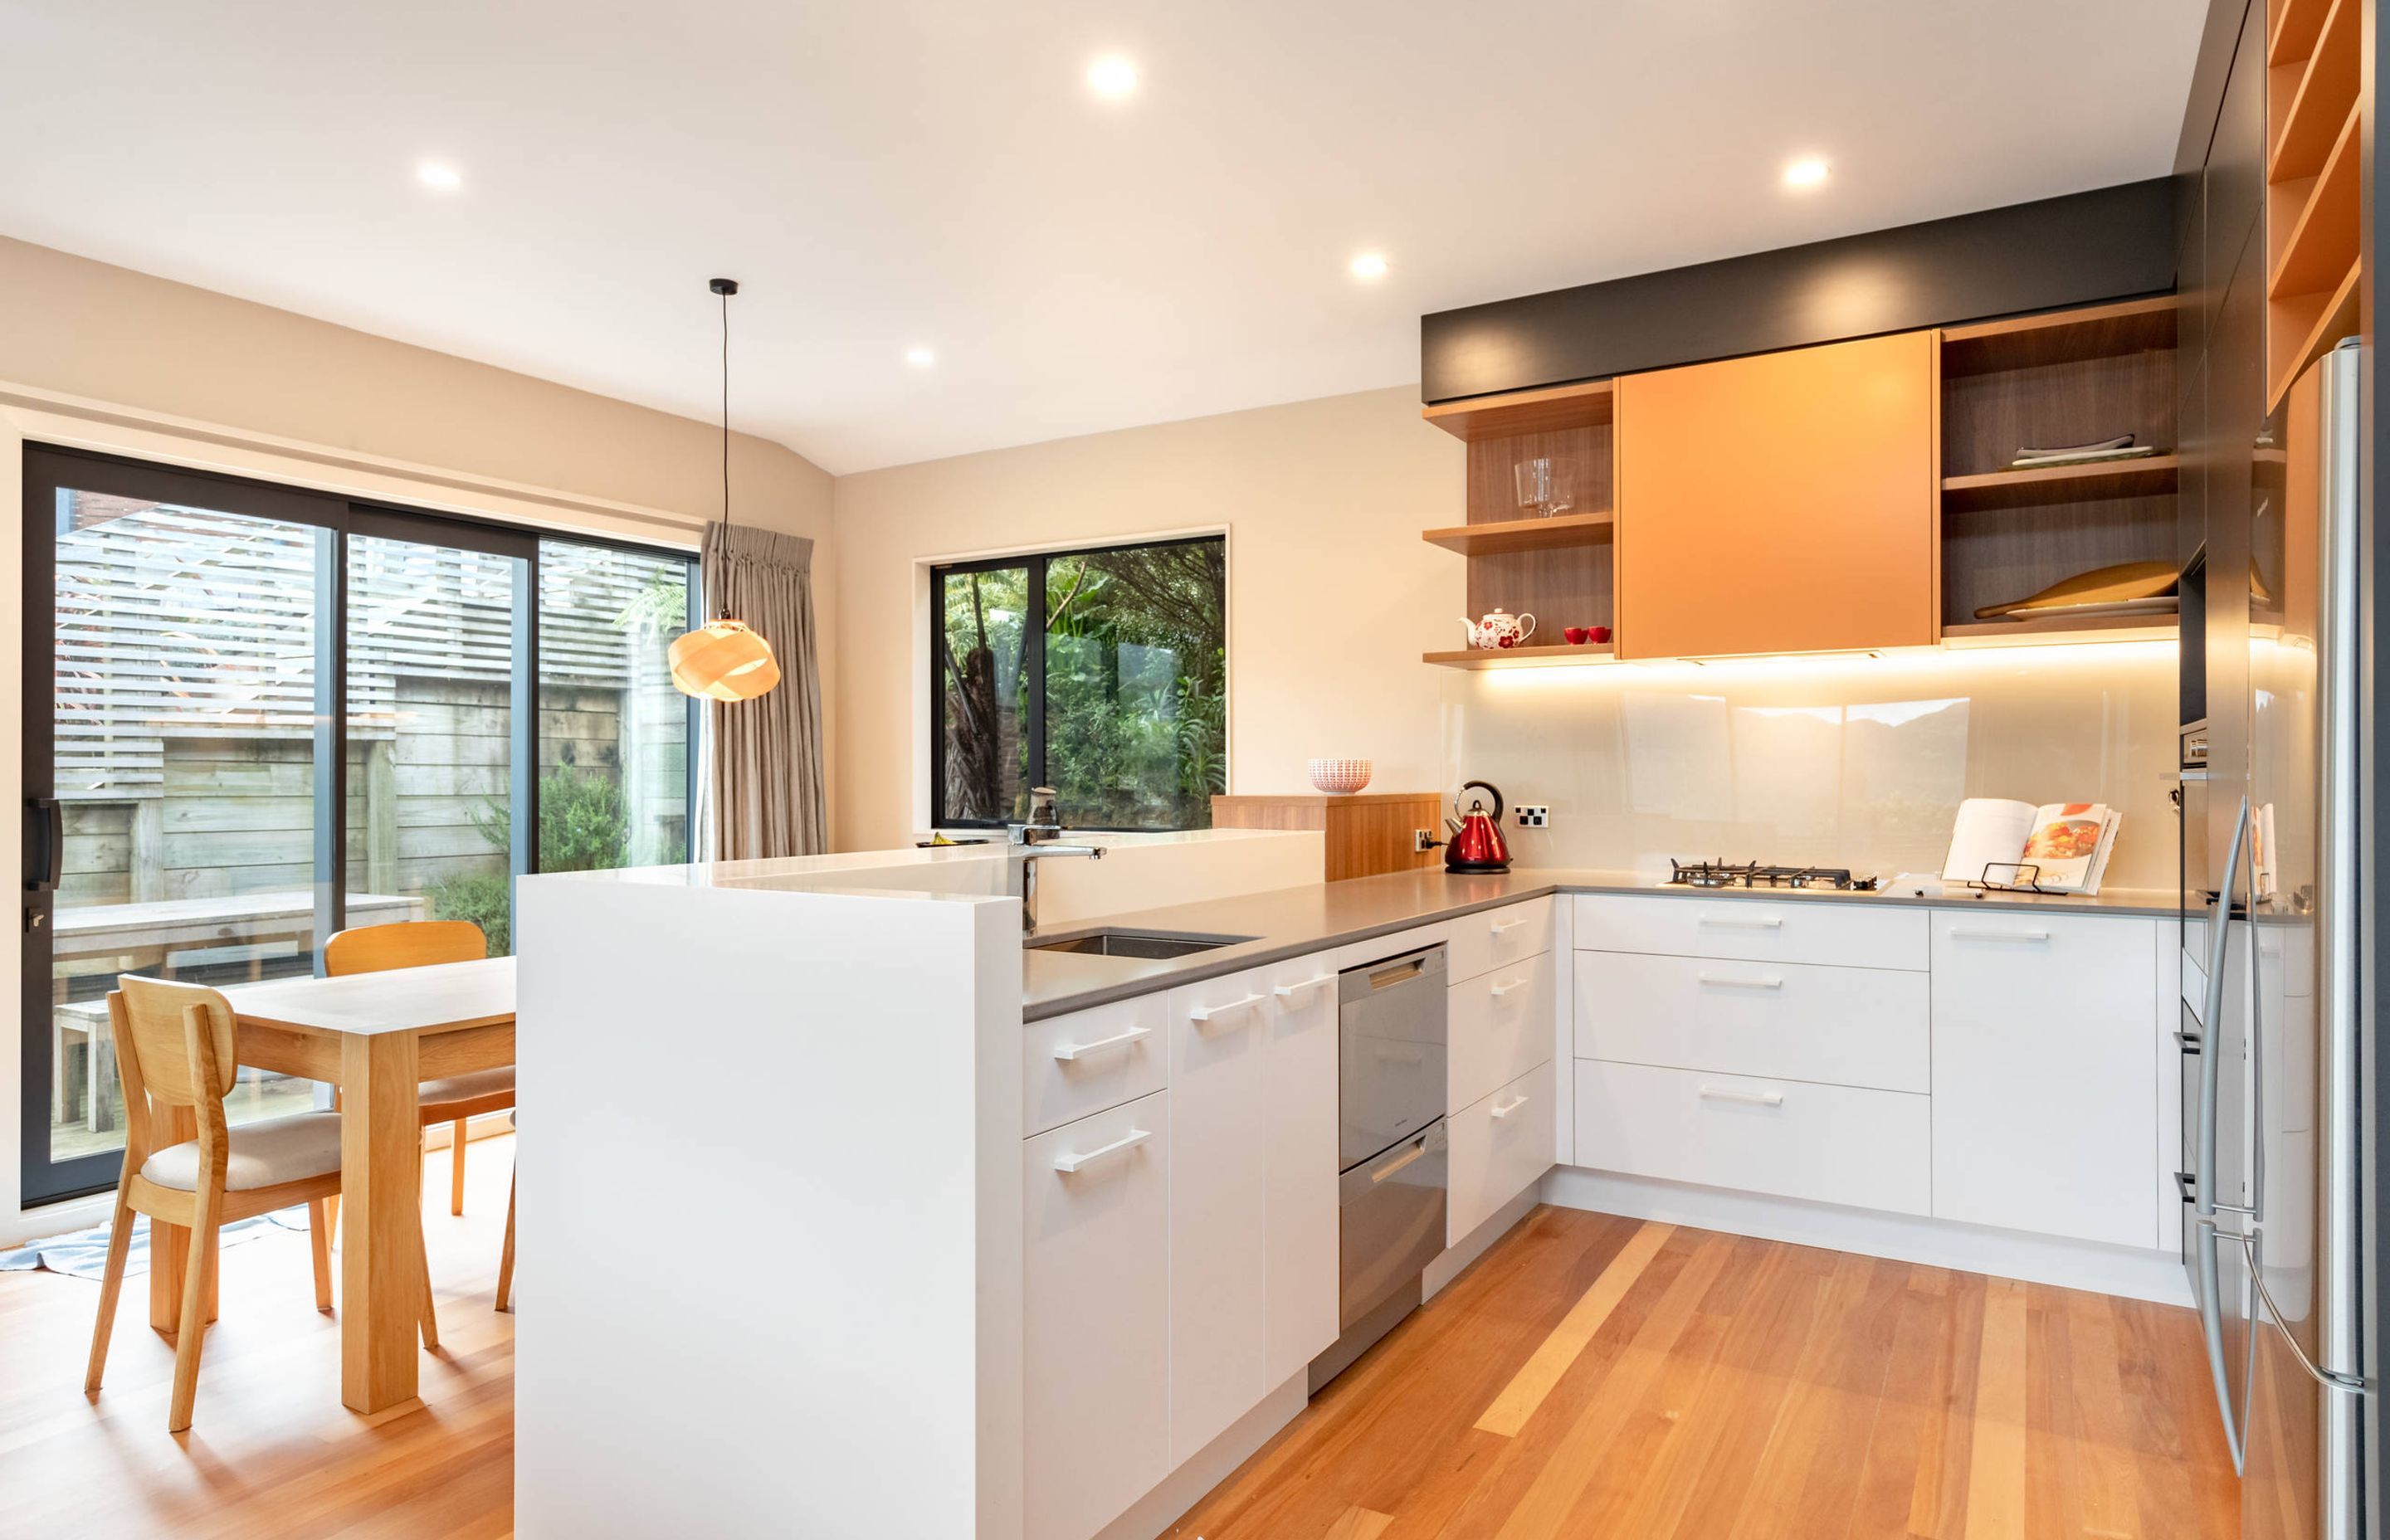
(2275, 611)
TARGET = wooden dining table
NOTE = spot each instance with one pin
(376, 1036)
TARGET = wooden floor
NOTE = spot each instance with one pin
(1590, 1377)
(1594, 1376)
(270, 1451)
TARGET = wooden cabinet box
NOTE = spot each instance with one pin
(1368, 832)
(1782, 503)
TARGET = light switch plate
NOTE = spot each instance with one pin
(1534, 816)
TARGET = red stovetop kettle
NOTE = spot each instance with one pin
(1476, 844)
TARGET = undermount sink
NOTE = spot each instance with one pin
(1134, 943)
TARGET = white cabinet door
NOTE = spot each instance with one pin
(1090, 1059)
(1219, 1204)
(1300, 1315)
(1500, 1026)
(1840, 933)
(2045, 1108)
(1496, 938)
(1096, 1364)
(1501, 1146)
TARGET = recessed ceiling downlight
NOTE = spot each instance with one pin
(1805, 174)
(920, 358)
(1369, 265)
(1112, 77)
(439, 175)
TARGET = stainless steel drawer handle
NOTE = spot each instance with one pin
(1725, 983)
(1748, 1099)
(1504, 1109)
(1501, 925)
(1741, 924)
(1068, 1051)
(1130, 1140)
(1414, 1153)
(1288, 992)
(1499, 991)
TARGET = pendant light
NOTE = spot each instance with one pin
(723, 660)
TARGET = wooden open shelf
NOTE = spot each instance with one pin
(1509, 537)
(2315, 254)
(2291, 347)
(2296, 22)
(2063, 628)
(2303, 131)
(2032, 342)
(1478, 658)
(2063, 484)
(1548, 410)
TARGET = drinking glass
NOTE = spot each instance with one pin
(1544, 485)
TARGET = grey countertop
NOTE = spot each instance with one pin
(1288, 922)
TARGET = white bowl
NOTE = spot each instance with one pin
(1340, 777)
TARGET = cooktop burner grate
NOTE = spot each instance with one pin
(1751, 874)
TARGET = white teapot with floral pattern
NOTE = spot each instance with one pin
(1500, 628)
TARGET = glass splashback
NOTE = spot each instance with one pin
(1831, 760)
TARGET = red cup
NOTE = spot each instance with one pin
(1597, 632)
(1577, 636)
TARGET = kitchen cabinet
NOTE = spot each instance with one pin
(1498, 1026)
(1219, 1196)
(1366, 833)
(1852, 934)
(1829, 1144)
(2045, 1109)
(1299, 1315)
(1090, 1059)
(1501, 1145)
(1782, 503)
(1842, 1026)
(1096, 1342)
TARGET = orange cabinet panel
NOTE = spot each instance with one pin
(1784, 503)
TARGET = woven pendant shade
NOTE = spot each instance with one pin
(724, 661)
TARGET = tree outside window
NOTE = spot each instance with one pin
(1117, 696)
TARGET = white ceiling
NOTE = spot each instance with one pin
(886, 174)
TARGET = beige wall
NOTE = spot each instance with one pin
(1333, 595)
(183, 375)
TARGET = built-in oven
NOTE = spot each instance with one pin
(1394, 1168)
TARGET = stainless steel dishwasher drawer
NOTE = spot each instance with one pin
(1393, 1221)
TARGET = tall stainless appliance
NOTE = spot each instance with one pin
(1391, 1042)
(2272, 1102)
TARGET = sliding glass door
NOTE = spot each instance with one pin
(256, 716)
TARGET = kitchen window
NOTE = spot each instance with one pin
(1103, 674)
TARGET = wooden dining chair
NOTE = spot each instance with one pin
(453, 1100)
(183, 1166)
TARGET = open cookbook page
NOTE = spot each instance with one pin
(2059, 846)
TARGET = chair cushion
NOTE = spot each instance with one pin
(466, 1088)
(263, 1155)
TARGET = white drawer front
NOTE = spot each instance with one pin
(1832, 1144)
(1501, 1146)
(1500, 1026)
(1843, 1026)
(1094, 1417)
(1494, 938)
(1090, 1059)
(1845, 933)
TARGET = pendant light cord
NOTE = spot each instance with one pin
(725, 428)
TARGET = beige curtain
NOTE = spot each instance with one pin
(764, 757)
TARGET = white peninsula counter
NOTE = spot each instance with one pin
(770, 1186)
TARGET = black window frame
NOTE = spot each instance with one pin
(1033, 658)
(48, 470)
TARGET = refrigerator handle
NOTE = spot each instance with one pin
(2211, 1014)
(2205, 1228)
(2335, 1379)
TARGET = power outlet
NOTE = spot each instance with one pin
(1534, 816)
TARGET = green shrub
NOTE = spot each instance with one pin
(481, 899)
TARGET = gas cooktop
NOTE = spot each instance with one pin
(1719, 874)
